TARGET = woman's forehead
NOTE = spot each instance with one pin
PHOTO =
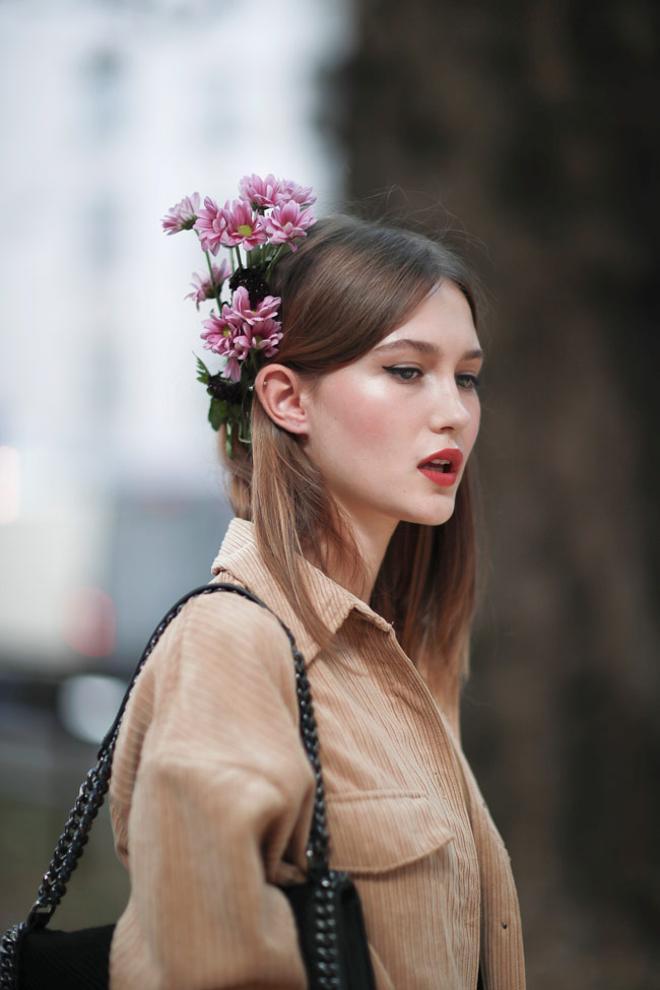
(442, 321)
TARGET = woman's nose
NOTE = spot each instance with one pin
(450, 409)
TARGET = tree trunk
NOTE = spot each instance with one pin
(535, 124)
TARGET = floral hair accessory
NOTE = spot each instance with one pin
(269, 217)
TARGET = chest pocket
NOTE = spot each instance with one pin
(373, 832)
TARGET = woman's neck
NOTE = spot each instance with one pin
(372, 542)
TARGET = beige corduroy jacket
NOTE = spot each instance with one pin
(211, 799)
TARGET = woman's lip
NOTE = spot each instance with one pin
(442, 478)
(451, 454)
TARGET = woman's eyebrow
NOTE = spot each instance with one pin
(424, 347)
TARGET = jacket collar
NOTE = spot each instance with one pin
(239, 557)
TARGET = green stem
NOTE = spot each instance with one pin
(228, 438)
(216, 288)
(276, 256)
(255, 366)
(208, 262)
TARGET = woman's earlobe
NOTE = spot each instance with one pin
(280, 395)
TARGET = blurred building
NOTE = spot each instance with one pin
(111, 501)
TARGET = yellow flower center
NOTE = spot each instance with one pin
(245, 230)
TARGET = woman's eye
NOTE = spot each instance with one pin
(473, 381)
(402, 370)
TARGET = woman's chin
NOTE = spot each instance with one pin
(434, 516)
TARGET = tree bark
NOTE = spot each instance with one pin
(528, 134)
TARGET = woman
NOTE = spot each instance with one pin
(369, 557)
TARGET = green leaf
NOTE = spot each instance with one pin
(203, 373)
(216, 414)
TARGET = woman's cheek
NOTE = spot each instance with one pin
(369, 409)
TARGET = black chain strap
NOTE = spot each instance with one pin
(92, 793)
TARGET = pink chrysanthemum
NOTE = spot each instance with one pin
(203, 287)
(240, 312)
(232, 369)
(243, 226)
(291, 191)
(211, 225)
(264, 336)
(287, 223)
(270, 192)
(218, 335)
(182, 215)
(260, 192)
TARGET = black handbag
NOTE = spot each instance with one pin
(326, 906)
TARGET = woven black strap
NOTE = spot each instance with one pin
(92, 792)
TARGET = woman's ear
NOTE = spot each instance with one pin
(282, 395)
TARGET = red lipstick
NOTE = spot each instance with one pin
(445, 472)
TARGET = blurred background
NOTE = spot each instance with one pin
(530, 130)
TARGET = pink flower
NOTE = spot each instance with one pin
(202, 285)
(218, 335)
(264, 336)
(269, 192)
(211, 225)
(288, 222)
(239, 312)
(260, 192)
(243, 226)
(292, 191)
(233, 224)
(232, 369)
(182, 216)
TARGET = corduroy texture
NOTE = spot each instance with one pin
(211, 799)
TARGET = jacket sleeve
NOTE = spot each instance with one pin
(223, 791)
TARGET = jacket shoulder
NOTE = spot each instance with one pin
(218, 646)
(225, 629)
(233, 616)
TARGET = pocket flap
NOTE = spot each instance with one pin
(376, 831)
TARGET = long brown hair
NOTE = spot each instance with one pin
(350, 283)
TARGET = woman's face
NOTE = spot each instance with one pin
(371, 422)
